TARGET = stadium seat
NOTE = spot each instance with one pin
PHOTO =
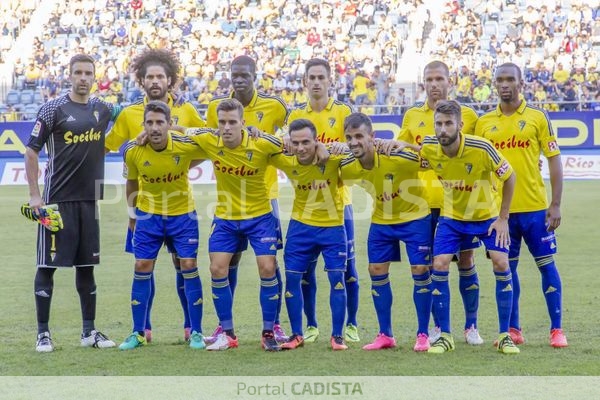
(3, 108)
(38, 97)
(30, 111)
(490, 28)
(27, 96)
(13, 97)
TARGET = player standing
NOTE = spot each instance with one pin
(416, 124)
(159, 192)
(521, 132)
(157, 71)
(72, 127)
(328, 115)
(464, 165)
(266, 113)
(241, 215)
(316, 227)
(399, 214)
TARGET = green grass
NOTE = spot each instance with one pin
(169, 356)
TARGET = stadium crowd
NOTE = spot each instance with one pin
(556, 46)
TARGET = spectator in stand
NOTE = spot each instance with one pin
(569, 97)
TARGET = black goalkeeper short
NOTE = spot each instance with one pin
(77, 244)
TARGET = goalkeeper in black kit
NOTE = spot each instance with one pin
(72, 128)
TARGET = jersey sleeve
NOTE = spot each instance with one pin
(279, 161)
(119, 133)
(42, 129)
(273, 144)
(350, 170)
(500, 165)
(211, 115)
(469, 117)
(130, 171)
(405, 133)
(547, 138)
(194, 118)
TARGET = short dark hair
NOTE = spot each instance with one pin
(313, 62)
(302, 123)
(83, 58)
(511, 65)
(231, 105)
(158, 107)
(449, 107)
(437, 64)
(355, 120)
(160, 57)
(245, 60)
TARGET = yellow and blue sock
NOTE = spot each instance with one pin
(552, 288)
(223, 302)
(150, 302)
(381, 292)
(280, 291)
(233, 277)
(309, 294)
(193, 294)
(140, 294)
(337, 301)
(180, 282)
(293, 300)
(468, 283)
(440, 297)
(352, 291)
(504, 298)
(516, 285)
(422, 300)
(269, 296)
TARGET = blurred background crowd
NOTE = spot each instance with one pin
(376, 48)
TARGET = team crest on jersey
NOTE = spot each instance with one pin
(331, 122)
(97, 116)
(176, 159)
(422, 124)
(468, 167)
(322, 169)
(259, 116)
(36, 129)
(249, 155)
(389, 177)
(521, 125)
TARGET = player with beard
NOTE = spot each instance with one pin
(157, 71)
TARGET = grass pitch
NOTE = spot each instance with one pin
(168, 354)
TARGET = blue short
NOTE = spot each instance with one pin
(129, 243)
(229, 235)
(450, 233)
(304, 243)
(465, 245)
(349, 226)
(180, 232)
(243, 244)
(531, 227)
(383, 244)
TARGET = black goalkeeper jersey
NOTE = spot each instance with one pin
(73, 134)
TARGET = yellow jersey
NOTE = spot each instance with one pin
(467, 178)
(317, 195)
(265, 112)
(164, 188)
(418, 123)
(130, 122)
(521, 138)
(329, 123)
(394, 185)
(240, 172)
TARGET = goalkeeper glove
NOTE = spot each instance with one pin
(49, 216)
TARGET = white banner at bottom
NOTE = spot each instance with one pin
(300, 387)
